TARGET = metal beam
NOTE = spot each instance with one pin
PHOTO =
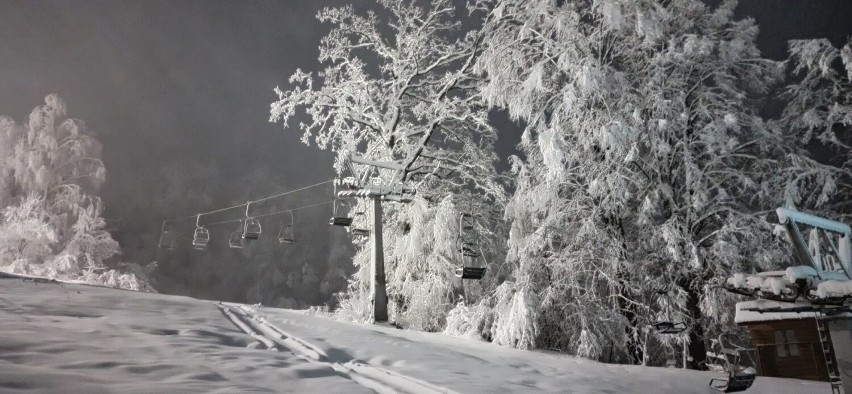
(380, 164)
(377, 284)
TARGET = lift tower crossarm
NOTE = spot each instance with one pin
(377, 190)
(380, 164)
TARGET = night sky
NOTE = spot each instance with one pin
(185, 87)
(165, 82)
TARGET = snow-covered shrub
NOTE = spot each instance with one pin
(116, 279)
(587, 345)
(355, 304)
(427, 303)
(472, 322)
(515, 316)
(25, 236)
(321, 311)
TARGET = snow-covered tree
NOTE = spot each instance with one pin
(819, 113)
(648, 173)
(52, 224)
(398, 87)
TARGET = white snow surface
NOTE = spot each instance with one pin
(73, 338)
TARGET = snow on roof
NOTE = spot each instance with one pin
(747, 316)
(785, 213)
(834, 288)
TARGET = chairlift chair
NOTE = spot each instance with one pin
(358, 232)
(285, 234)
(338, 217)
(251, 226)
(729, 359)
(201, 236)
(468, 245)
(467, 250)
(474, 273)
(667, 326)
(467, 236)
(167, 237)
(235, 241)
(735, 382)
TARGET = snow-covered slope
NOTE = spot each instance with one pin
(75, 338)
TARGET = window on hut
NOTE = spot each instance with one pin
(786, 343)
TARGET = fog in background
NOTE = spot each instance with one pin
(178, 92)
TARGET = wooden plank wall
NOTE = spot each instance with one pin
(809, 364)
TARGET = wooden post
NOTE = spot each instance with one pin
(377, 284)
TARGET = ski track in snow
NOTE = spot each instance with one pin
(68, 338)
(375, 378)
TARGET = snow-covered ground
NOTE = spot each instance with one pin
(73, 338)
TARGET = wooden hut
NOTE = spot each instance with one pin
(789, 341)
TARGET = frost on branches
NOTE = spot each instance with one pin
(819, 113)
(51, 224)
(646, 166)
(647, 175)
(400, 88)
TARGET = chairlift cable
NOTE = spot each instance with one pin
(250, 202)
(270, 213)
(291, 191)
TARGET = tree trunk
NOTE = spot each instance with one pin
(635, 347)
(697, 348)
(635, 343)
